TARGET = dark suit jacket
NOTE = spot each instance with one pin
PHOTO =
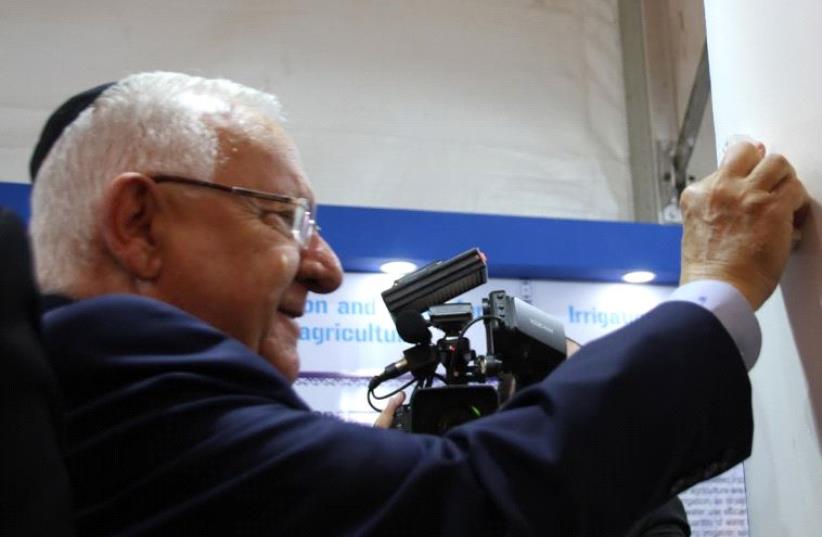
(176, 429)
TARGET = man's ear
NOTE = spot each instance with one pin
(129, 210)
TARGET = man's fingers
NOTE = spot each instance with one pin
(387, 415)
(795, 202)
(794, 196)
(770, 172)
(741, 158)
(776, 175)
(571, 347)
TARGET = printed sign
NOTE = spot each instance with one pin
(351, 332)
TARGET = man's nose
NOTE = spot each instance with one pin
(320, 270)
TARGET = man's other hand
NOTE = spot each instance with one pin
(571, 347)
(387, 415)
(738, 222)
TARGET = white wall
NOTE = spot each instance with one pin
(767, 83)
(496, 106)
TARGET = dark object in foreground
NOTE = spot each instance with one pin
(35, 498)
(667, 520)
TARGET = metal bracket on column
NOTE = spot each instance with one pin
(673, 158)
(667, 191)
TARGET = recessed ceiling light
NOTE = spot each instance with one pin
(398, 268)
(638, 276)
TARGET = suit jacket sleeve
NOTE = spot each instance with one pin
(631, 420)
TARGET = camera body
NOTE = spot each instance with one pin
(523, 345)
(436, 410)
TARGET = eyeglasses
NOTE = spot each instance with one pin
(286, 214)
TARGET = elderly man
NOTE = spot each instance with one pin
(174, 224)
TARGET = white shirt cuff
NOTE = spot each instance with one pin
(733, 311)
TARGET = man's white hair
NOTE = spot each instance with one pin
(147, 123)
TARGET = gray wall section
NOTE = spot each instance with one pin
(662, 43)
(641, 139)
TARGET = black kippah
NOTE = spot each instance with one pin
(57, 123)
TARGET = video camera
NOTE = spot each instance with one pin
(523, 345)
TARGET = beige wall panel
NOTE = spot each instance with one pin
(469, 105)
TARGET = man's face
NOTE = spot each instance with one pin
(225, 263)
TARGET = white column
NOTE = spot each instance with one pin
(766, 72)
